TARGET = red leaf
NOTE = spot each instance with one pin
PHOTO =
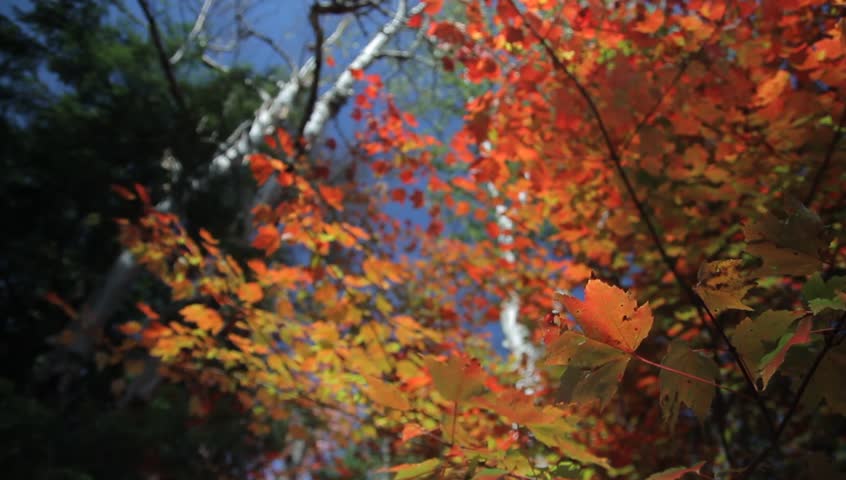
(123, 192)
(357, 73)
(433, 7)
(142, 194)
(415, 21)
(398, 195)
(147, 311)
(267, 239)
(417, 199)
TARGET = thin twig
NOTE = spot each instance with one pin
(821, 173)
(175, 92)
(794, 406)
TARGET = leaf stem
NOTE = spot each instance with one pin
(689, 375)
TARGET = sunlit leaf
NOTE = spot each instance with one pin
(676, 473)
(610, 315)
(722, 285)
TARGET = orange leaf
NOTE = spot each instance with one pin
(267, 239)
(250, 292)
(772, 87)
(147, 311)
(54, 298)
(411, 430)
(433, 6)
(204, 317)
(123, 192)
(611, 316)
(333, 196)
(652, 23)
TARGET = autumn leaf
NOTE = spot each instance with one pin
(772, 88)
(651, 23)
(594, 369)
(722, 285)
(456, 380)
(204, 317)
(420, 470)
(267, 239)
(789, 246)
(827, 385)
(250, 292)
(557, 435)
(825, 294)
(773, 360)
(411, 430)
(676, 472)
(755, 338)
(385, 394)
(611, 316)
(677, 389)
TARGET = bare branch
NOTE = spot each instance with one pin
(199, 23)
(175, 92)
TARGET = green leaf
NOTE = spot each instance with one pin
(676, 473)
(789, 246)
(677, 389)
(754, 338)
(490, 474)
(773, 360)
(722, 285)
(555, 435)
(827, 384)
(416, 470)
(821, 294)
(594, 369)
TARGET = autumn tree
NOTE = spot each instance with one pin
(659, 187)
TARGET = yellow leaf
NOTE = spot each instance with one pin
(386, 394)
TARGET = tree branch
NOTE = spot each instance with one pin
(645, 217)
(175, 92)
(821, 173)
(794, 406)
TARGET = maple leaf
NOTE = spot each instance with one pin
(556, 435)
(267, 239)
(651, 23)
(789, 246)
(250, 292)
(772, 88)
(827, 385)
(423, 469)
(821, 294)
(722, 285)
(386, 394)
(676, 472)
(677, 389)
(754, 338)
(773, 360)
(456, 380)
(594, 369)
(203, 316)
(611, 316)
